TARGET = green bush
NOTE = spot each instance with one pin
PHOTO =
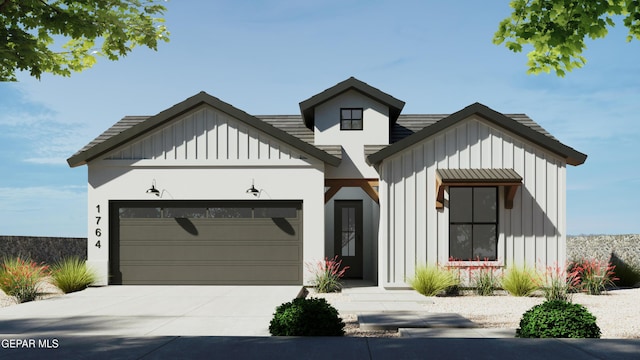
(306, 317)
(72, 274)
(520, 281)
(558, 319)
(432, 280)
(19, 278)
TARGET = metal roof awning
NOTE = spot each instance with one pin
(508, 178)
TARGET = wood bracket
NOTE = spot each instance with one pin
(367, 185)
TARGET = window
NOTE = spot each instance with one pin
(350, 119)
(473, 223)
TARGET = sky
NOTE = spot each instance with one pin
(264, 57)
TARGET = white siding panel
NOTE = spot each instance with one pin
(485, 145)
(551, 211)
(463, 147)
(410, 213)
(518, 207)
(532, 233)
(206, 134)
(399, 223)
(496, 149)
(451, 149)
(420, 206)
(200, 133)
(527, 206)
(432, 216)
(561, 225)
(540, 204)
(233, 136)
(475, 152)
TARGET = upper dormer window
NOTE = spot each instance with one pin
(351, 119)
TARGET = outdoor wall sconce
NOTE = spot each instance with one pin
(252, 190)
(153, 190)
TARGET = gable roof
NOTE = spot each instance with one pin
(527, 129)
(130, 128)
(307, 106)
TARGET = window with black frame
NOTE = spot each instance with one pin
(473, 223)
(351, 119)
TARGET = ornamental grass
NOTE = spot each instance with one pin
(20, 278)
(72, 274)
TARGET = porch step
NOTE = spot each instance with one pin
(394, 320)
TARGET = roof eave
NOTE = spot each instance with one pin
(307, 106)
(571, 156)
(185, 106)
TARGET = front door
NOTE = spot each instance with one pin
(348, 236)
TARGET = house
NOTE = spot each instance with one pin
(204, 193)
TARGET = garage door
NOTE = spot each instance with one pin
(206, 242)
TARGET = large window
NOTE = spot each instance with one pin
(473, 223)
(350, 119)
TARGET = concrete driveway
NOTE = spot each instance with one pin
(135, 311)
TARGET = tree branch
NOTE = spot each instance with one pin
(4, 4)
(49, 6)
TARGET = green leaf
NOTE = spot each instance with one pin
(109, 28)
(556, 30)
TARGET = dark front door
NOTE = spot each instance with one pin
(348, 236)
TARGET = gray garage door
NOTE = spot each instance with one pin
(206, 242)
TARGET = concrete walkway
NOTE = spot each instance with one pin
(150, 311)
(406, 311)
(202, 322)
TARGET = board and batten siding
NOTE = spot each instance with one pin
(414, 232)
(206, 134)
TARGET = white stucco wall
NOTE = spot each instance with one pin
(375, 131)
(413, 231)
(189, 183)
(204, 155)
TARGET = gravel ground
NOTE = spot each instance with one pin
(617, 312)
(46, 291)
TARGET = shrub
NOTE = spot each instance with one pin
(72, 274)
(19, 278)
(594, 276)
(306, 317)
(484, 280)
(432, 280)
(558, 284)
(327, 275)
(520, 281)
(558, 319)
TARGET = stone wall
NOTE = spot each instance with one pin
(600, 247)
(51, 249)
(46, 250)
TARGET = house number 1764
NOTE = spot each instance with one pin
(98, 231)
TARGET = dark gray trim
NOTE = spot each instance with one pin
(572, 156)
(307, 106)
(479, 175)
(342, 120)
(185, 106)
